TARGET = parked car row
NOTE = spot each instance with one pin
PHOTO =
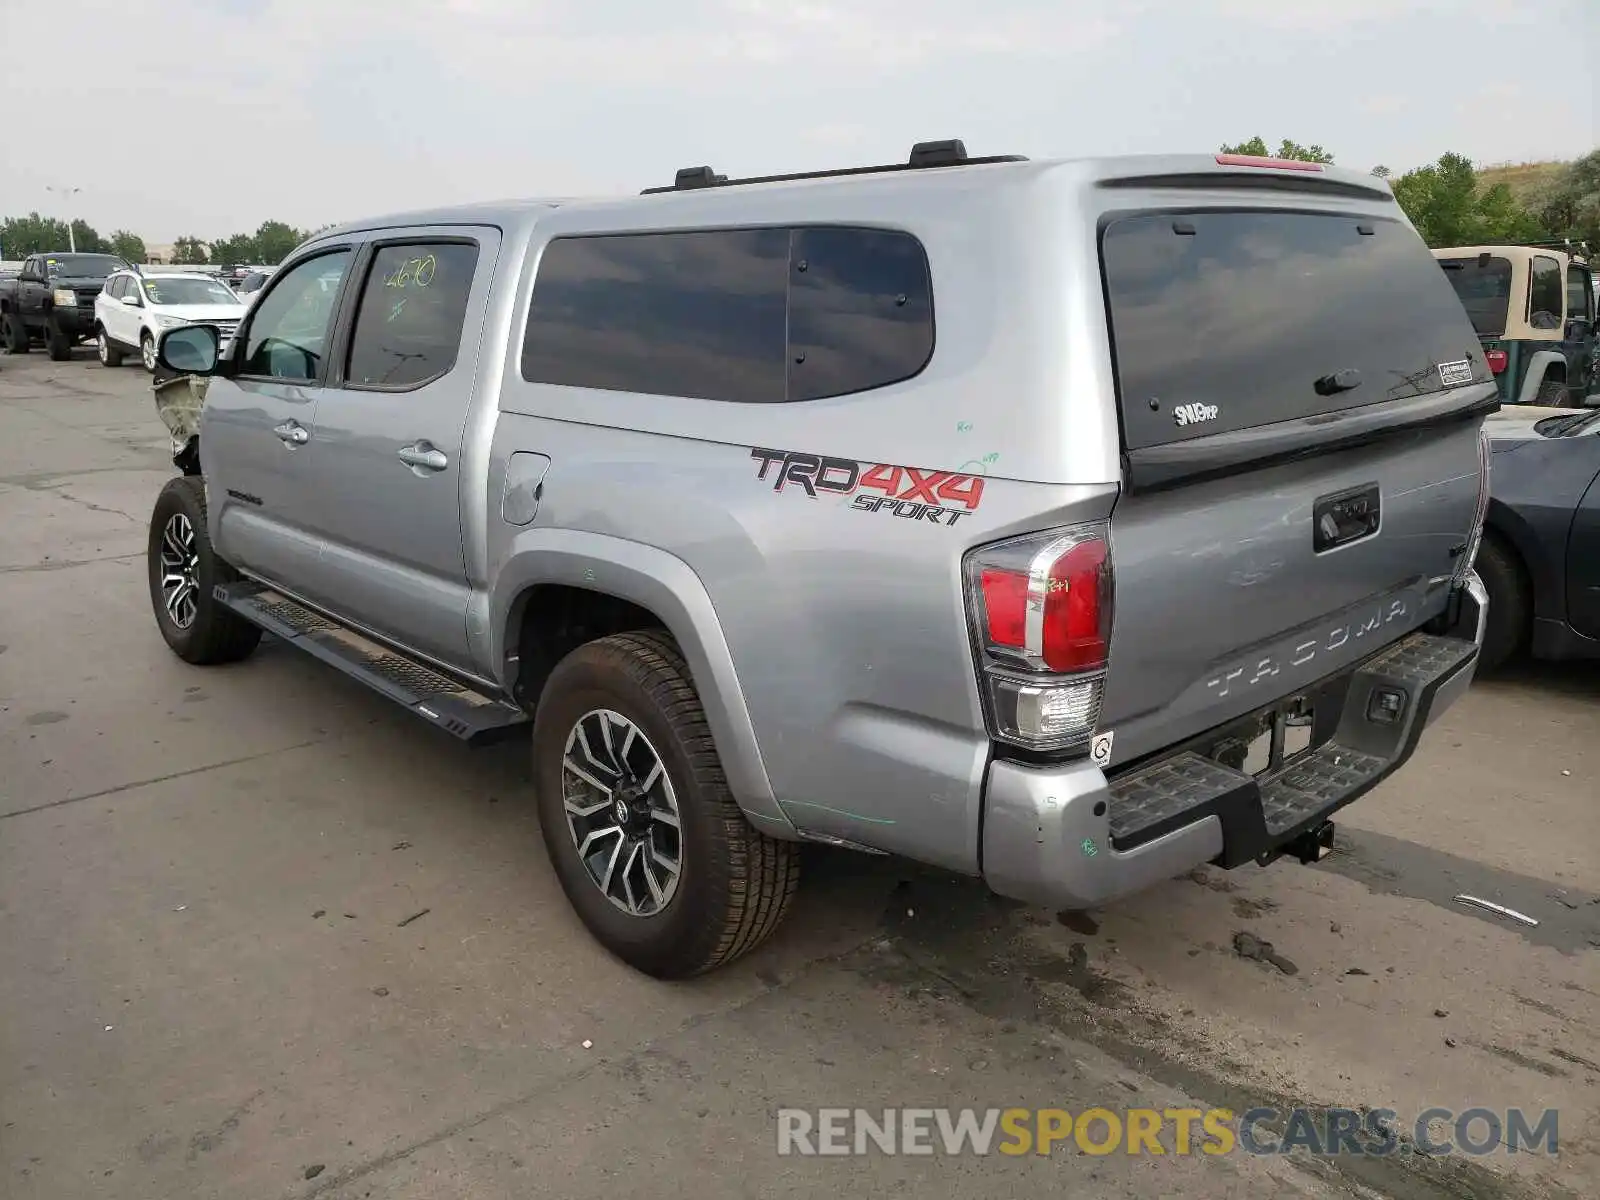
(62, 300)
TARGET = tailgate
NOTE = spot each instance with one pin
(1301, 397)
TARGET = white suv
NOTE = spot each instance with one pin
(133, 309)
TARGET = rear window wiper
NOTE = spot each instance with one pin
(1340, 381)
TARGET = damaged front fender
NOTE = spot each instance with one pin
(179, 399)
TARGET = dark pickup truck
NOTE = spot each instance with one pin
(52, 301)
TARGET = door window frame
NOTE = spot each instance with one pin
(1533, 273)
(336, 317)
(363, 267)
(1586, 278)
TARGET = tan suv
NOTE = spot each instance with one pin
(1534, 309)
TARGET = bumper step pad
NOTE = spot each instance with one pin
(1260, 814)
(451, 705)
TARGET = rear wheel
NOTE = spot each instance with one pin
(16, 333)
(183, 570)
(648, 843)
(110, 356)
(147, 351)
(56, 341)
(1510, 602)
(1552, 393)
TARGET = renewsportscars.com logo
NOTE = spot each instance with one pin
(1327, 1132)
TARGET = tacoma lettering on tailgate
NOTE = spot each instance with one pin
(1357, 625)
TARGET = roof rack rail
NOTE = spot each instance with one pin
(951, 152)
(1569, 244)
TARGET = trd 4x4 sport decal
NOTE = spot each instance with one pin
(942, 497)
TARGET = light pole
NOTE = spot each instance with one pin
(66, 194)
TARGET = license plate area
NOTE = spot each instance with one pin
(1270, 739)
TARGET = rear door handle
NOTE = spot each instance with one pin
(424, 456)
(292, 433)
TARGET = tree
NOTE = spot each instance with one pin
(1446, 204)
(1286, 149)
(189, 251)
(274, 241)
(129, 246)
(1381, 171)
(240, 248)
(1570, 207)
(87, 240)
(32, 234)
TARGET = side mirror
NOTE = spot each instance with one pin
(190, 349)
(131, 301)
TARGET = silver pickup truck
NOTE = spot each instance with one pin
(1067, 524)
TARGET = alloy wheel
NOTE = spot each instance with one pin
(147, 351)
(180, 571)
(622, 812)
(104, 346)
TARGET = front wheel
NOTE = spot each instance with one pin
(147, 351)
(184, 569)
(56, 341)
(110, 356)
(1506, 629)
(647, 841)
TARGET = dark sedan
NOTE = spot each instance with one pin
(1540, 557)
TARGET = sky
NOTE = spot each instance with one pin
(206, 117)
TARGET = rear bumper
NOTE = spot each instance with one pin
(1067, 837)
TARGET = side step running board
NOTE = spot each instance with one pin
(457, 709)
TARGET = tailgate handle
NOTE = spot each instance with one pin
(1344, 517)
(1347, 380)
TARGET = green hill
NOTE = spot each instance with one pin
(1526, 180)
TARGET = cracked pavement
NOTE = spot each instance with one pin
(207, 989)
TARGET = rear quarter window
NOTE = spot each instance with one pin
(698, 314)
(753, 316)
(1226, 321)
(1484, 287)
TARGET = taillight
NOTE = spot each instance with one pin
(1470, 555)
(1041, 614)
(1258, 160)
(1497, 361)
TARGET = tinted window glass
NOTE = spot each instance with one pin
(860, 311)
(1485, 291)
(289, 333)
(413, 307)
(1580, 295)
(167, 290)
(115, 288)
(676, 314)
(85, 266)
(1545, 289)
(1246, 318)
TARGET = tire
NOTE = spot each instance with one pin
(733, 884)
(1552, 393)
(211, 633)
(110, 356)
(1510, 602)
(56, 341)
(147, 351)
(16, 333)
